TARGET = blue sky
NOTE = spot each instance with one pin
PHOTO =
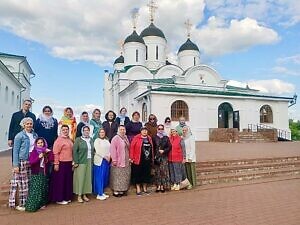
(70, 43)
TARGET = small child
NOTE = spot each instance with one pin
(39, 160)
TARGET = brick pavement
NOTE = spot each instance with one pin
(268, 203)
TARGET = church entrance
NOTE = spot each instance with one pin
(225, 116)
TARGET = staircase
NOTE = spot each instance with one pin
(249, 136)
(216, 172)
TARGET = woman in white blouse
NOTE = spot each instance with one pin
(101, 165)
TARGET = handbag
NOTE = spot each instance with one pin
(185, 183)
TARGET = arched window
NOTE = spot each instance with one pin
(156, 52)
(146, 52)
(12, 98)
(194, 61)
(225, 115)
(266, 114)
(6, 94)
(144, 112)
(136, 55)
(179, 108)
(17, 101)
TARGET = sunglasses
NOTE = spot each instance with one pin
(152, 119)
(160, 129)
(168, 121)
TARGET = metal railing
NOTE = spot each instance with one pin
(281, 134)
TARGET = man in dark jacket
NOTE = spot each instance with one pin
(16, 118)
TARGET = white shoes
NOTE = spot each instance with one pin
(102, 197)
(62, 203)
(20, 208)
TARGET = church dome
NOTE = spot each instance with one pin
(134, 37)
(188, 45)
(119, 60)
(152, 30)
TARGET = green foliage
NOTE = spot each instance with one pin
(295, 129)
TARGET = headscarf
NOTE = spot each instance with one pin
(189, 132)
(24, 121)
(114, 117)
(40, 149)
(160, 133)
(122, 116)
(85, 123)
(71, 122)
(47, 121)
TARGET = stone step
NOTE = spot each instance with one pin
(244, 168)
(227, 178)
(255, 161)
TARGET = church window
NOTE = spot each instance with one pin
(156, 52)
(266, 114)
(144, 112)
(12, 97)
(146, 52)
(136, 55)
(194, 61)
(6, 94)
(179, 108)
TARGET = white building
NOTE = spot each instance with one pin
(15, 76)
(143, 80)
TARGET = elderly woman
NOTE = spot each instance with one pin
(96, 123)
(61, 189)
(69, 120)
(181, 124)
(151, 125)
(162, 147)
(101, 165)
(190, 147)
(134, 126)
(122, 118)
(141, 156)
(110, 125)
(120, 167)
(176, 158)
(46, 126)
(23, 144)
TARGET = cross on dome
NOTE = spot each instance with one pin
(188, 26)
(121, 43)
(152, 7)
(134, 16)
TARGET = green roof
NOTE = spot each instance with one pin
(152, 30)
(134, 37)
(160, 81)
(229, 87)
(188, 45)
(213, 92)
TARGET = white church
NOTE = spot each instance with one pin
(143, 80)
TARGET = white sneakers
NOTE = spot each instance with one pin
(20, 208)
(175, 187)
(62, 203)
(102, 197)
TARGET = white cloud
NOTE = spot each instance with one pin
(295, 59)
(272, 86)
(281, 70)
(218, 38)
(77, 30)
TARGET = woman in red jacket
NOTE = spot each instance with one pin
(176, 160)
(141, 156)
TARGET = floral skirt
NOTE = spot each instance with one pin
(162, 176)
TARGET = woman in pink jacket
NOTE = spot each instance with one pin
(120, 166)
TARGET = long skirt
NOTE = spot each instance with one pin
(177, 172)
(162, 176)
(190, 168)
(19, 182)
(61, 188)
(38, 192)
(120, 178)
(141, 174)
(82, 179)
(100, 177)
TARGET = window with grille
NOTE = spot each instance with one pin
(179, 108)
(266, 114)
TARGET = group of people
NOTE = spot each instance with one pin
(52, 160)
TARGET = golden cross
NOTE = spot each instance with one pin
(134, 16)
(188, 26)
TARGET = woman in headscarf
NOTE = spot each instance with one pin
(176, 158)
(134, 126)
(46, 126)
(61, 188)
(190, 164)
(101, 165)
(110, 125)
(151, 125)
(120, 170)
(167, 126)
(96, 123)
(162, 147)
(69, 119)
(23, 145)
(141, 156)
(181, 124)
(122, 118)
(84, 121)
(83, 151)
(39, 160)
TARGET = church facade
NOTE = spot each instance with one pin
(143, 80)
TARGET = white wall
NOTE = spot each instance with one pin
(130, 53)
(151, 42)
(186, 59)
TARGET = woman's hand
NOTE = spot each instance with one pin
(114, 163)
(41, 155)
(16, 169)
(183, 161)
(56, 167)
(161, 151)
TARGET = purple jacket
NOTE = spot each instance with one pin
(35, 162)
